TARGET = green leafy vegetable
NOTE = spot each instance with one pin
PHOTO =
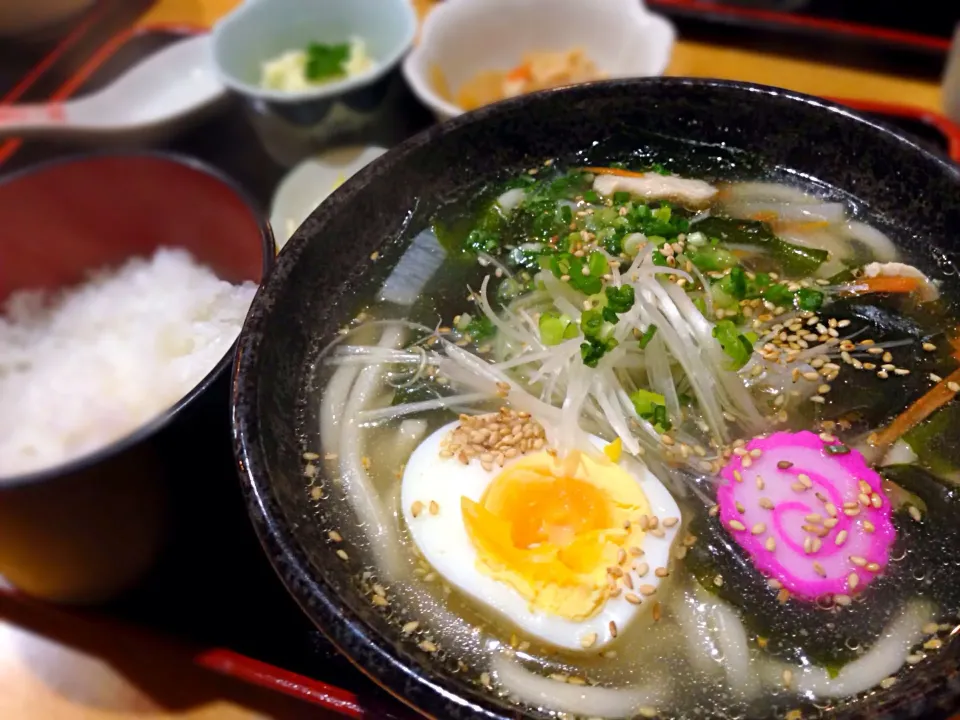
(621, 198)
(325, 62)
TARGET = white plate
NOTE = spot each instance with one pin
(309, 184)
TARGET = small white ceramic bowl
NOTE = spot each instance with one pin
(260, 30)
(464, 37)
(309, 184)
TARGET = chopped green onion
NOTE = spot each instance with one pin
(647, 336)
(555, 328)
(645, 400)
(651, 407)
(621, 198)
(620, 299)
(594, 348)
(711, 259)
(591, 197)
(809, 299)
(779, 295)
(480, 328)
(737, 346)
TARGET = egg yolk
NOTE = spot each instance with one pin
(551, 530)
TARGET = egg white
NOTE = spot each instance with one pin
(445, 544)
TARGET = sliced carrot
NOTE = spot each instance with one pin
(520, 72)
(612, 171)
(936, 397)
(882, 284)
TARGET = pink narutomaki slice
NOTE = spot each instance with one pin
(814, 518)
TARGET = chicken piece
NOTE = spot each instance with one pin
(693, 194)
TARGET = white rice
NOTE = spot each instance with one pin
(83, 368)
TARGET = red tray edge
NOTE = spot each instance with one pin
(803, 22)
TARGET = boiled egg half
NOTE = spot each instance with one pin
(570, 550)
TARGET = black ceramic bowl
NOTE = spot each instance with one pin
(321, 273)
(88, 529)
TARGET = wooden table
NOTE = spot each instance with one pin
(64, 672)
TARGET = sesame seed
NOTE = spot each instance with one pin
(770, 544)
(670, 522)
(588, 640)
(853, 580)
(774, 584)
(841, 537)
(428, 646)
(805, 480)
(914, 658)
(737, 476)
(935, 378)
(868, 526)
(632, 599)
(930, 628)
(335, 536)
(760, 483)
(888, 682)
(434, 508)
(818, 569)
(718, 580)
(635, 551)
(737, 525)
(661, 572)
(784, 464)
(766, 503)
(933, 644)
(410, 627)
(656, 611)
(953, 387)
(642, 569)
(914, 513)
(342, 554)
(379, 600)
(858, 561)
(873, 567)
(647, 590)
(787, 678)
(904, 371)
(842, 600)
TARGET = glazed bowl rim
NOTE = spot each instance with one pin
(313, 592)
(144, 431)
